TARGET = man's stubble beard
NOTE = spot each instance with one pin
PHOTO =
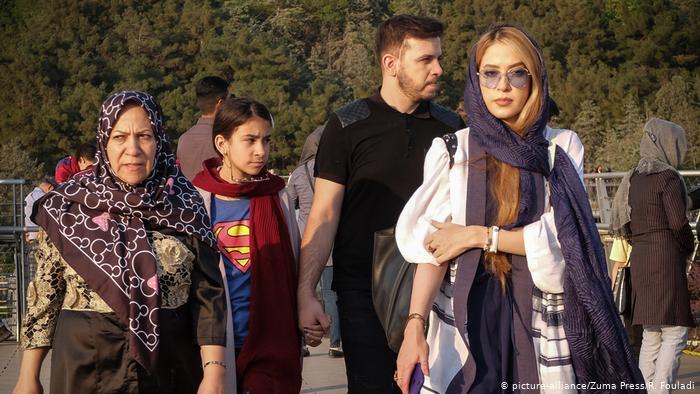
(412, 90)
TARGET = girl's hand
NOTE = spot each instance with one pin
(414, 350)
(451, 240)
(313, 335)
(214, 380)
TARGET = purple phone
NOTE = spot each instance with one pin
(417, 380)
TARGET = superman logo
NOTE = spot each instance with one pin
(233, 239)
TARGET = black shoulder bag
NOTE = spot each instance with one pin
(622, 290)
(392, 276)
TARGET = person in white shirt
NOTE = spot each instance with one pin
(489, 229)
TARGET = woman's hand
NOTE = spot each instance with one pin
(414, 350)
(28, 381)
(28, 386)
(214, 380)
(451, 240)
(616, 267)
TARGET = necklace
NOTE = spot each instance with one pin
(245, 180)
(248, 180)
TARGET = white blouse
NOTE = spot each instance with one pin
(443, 197)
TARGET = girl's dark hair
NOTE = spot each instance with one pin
(234, 112)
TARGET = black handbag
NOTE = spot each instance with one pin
(623, 290)
(392, 276)
(392, 282)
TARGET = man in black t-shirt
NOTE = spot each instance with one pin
(369, 163)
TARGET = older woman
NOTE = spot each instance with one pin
(650, 211)
(127, 291)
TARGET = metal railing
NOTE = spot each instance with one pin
(13, 283)
(601, 189)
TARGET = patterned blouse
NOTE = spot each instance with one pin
(57, 286)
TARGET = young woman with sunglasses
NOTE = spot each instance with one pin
(506, 246)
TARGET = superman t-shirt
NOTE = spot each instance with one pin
(231, 227)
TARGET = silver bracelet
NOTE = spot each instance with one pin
(487, 245)
(493, 248)
(214, 362)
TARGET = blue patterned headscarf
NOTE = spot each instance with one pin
(599, 347)
(98, 224)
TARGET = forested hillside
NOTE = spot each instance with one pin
(612, 63)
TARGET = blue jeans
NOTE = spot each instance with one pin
(329, 304)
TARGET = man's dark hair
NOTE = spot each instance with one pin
(209, 91)
(393, 31)
(86, 151)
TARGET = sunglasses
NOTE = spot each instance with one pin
(517, 78)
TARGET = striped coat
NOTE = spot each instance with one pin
(662, 240)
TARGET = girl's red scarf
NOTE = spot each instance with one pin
(270, 360)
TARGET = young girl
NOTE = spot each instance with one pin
(527, 299)
(258, 238)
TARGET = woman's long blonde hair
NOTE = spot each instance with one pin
(505, 185)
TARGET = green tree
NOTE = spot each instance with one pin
(621, 145)
(16, 163)
(677, 101)
(591, 129)
(416, 7)
(304, 58)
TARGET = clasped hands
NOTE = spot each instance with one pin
(313, 321)
(451, 240)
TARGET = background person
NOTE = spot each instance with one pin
(45, 186)
(195, 145)
(126, 294)
(71, 165)
(650, 210)
(620, 255)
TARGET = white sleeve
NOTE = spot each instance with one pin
(28, 207)
(575, 152)
(431, 201)
(542, 248)
(543, 252)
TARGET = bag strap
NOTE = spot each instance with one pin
(628, 252)
(451, 144)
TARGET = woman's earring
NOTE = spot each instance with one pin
(228, 164)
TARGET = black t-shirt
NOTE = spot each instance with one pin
(378, 155)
